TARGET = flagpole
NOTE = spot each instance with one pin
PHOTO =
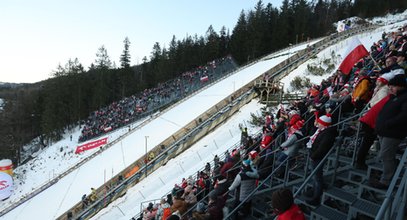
(375, 63)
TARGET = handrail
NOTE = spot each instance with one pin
(321, 163)
(256, 189)
(388, 196)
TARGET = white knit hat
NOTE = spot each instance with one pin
(325, 120)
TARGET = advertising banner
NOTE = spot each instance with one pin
(90, 145)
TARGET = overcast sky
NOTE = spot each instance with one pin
(38, 35)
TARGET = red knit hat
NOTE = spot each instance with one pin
(383, 80)
(298, 124)
(253, 154)
(325, 120)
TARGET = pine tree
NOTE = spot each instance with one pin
(125, 57)
(102, 59)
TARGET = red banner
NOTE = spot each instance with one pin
(90, 145)
(204, 78)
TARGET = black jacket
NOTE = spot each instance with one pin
(392, 119)
(323, 143)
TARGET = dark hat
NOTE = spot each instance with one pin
(398, 80)
(150, 206)
(212, 195)
(173, 217)
(200, 207)
(282, 199)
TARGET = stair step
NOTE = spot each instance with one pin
(328, 213)
(359, 172)
(301, 200)
(341, 195)
(365, 185)
(374, 166)
(299, 172)
(343, 159)
(261, 207)
(365, 207)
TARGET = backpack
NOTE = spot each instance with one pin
(166, 213)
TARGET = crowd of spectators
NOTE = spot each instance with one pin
(376, 88)
(130, 109)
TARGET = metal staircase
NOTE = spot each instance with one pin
(346, 194)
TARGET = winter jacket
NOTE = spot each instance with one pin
(160, 211)
(323, 143)
(361, 90)
(293, 213)
(247, 181)
(179, 205)
(290, 147)
(378, 94)
(265, 142)
(221, 188)
(370, 117)
(190, 198)
(215, 209)
(392, 119)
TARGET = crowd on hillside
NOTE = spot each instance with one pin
(376, 87)
(130, 109)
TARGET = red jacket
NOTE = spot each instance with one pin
(293, 213)
(370, 117)
(265, 142)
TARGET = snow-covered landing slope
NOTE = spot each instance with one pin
(68, 190)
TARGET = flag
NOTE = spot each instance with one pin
(204, 78)
(354, 52)
(90, 145)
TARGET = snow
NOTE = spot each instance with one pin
(59, 157)
(68, 190)
(1, 104)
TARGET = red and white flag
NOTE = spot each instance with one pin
(204, 78)
(354, 52)
(90, 145)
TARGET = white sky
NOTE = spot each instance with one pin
(38, 35)
(68, 190)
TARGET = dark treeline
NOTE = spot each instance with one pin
(47, 108)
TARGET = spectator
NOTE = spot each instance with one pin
(221, 186)
(381, 90)
(215, 206)
(283, 205)
(164, 210)
(368, 122)
(291, 146)
(390, 127)
(246, 179)
(401, 60)
(360, 94)
(179, 205)
(319, 144)
(93, 195)
(189, 196)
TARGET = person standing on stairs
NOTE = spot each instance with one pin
(319, 144)
(390, 127)
(368, 120)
